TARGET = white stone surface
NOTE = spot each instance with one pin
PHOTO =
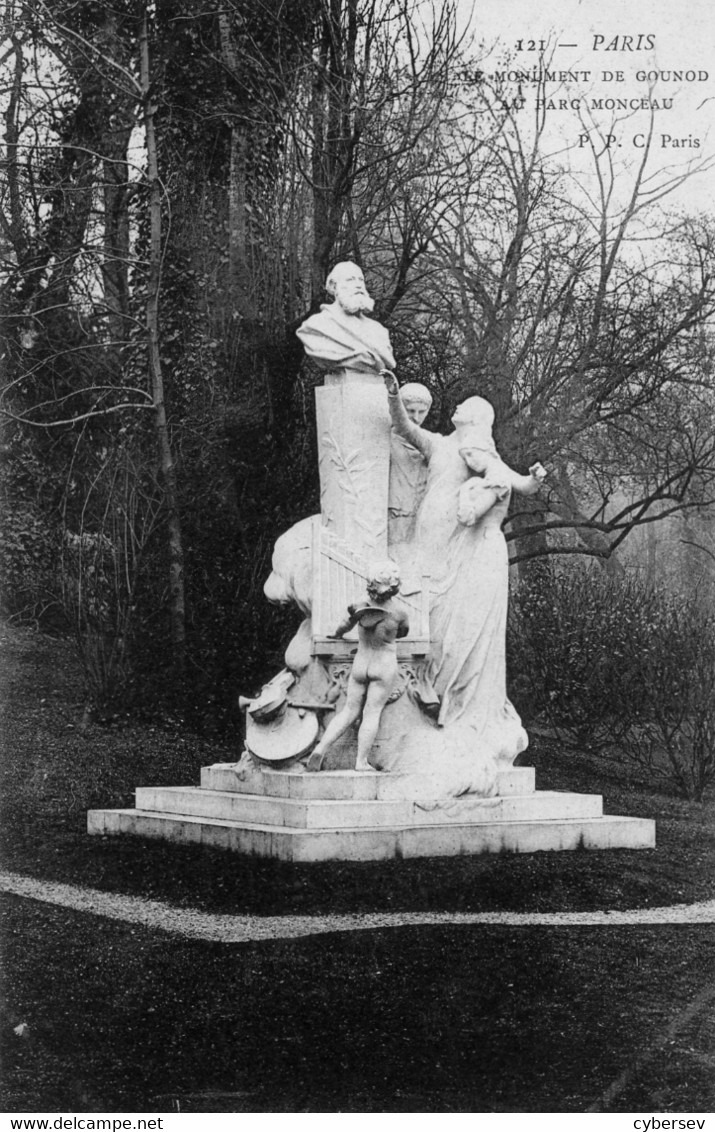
(340, 815)
(337, 784)
(380, 844)
(354, 465)
(344, 814)
(298, 813)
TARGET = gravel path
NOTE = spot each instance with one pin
(243, 929)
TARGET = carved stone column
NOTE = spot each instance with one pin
(354, 460)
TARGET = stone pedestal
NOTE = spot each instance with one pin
(354, 460)
(353, 428)
(349, 816)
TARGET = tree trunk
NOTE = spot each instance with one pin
(237, 196)
(168, 469)
(115, 264)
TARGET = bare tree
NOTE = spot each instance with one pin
(68, 326)
(581, 314)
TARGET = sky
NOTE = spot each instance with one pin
(609, 42)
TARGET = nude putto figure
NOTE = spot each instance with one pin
(380, 622)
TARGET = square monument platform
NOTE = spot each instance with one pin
(355, 816)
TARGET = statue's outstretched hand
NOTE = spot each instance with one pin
(538, 472)
(390, 382)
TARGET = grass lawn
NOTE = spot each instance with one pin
(422, 1020)
(464, 1019)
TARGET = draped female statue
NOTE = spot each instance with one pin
(459, 531)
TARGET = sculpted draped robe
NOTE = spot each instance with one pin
(408, 481)
(361, 344)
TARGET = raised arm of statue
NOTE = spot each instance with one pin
(418, 437)
(528, 485)
(481, 457)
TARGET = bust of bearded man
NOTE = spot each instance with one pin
(341, 337)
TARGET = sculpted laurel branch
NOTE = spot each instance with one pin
(350, 465)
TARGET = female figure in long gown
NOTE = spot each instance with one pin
(468, 617)
(459, 541)
(446, 472)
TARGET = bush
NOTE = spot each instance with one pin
(678, 666)
(29, 584)
(617, 665)
(102, 558)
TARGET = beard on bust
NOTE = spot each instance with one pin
(354, 300)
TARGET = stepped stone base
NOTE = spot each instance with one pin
(349, 816)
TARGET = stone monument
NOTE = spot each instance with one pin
(394, 687)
